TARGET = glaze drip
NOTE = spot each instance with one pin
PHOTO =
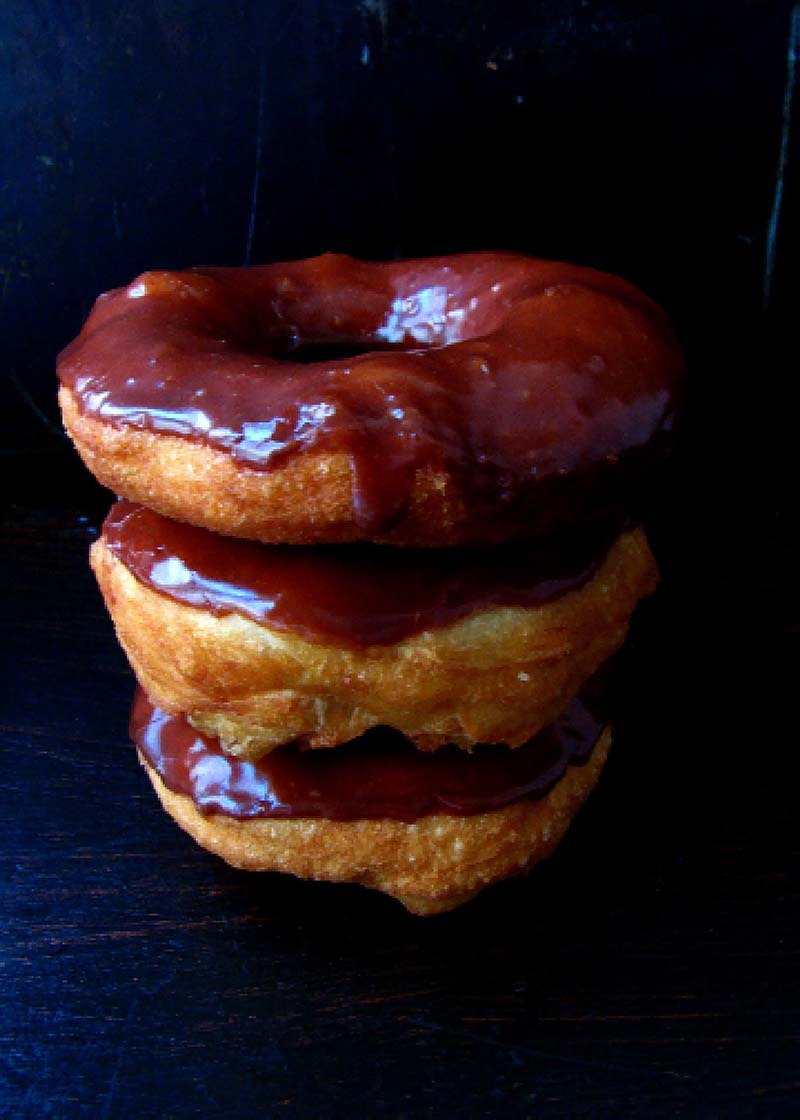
(354, 595)
(377, 776)
(543, 388)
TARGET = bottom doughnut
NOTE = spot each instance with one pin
(430, 865)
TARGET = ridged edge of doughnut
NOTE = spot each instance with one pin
(499, 675)
(433, 865)
(308, 499)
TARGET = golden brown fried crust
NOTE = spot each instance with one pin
(308, 500)
(498, 676)
(433, 865)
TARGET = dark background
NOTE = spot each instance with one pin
(651, 968)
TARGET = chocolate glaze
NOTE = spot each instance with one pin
(356, 595)
(379, 775)
(544, 387)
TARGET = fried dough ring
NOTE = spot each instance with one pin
(309, 500)
(497, 676)
(518, 395)
(432, 865)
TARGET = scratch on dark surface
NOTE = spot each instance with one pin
(666, 1016)
(41, 416)
(367, 1001)
(783, 156)
(379, 10)
(69, 935)
(251, 227)
(121, 1048)
(787, 1087)
(548, 1056)
(12, 1071)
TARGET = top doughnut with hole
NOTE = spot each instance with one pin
(468, 399)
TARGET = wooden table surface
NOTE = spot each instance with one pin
(650, 969)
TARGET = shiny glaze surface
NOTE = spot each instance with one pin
(543, 387)
(377, 776)
(356, 595)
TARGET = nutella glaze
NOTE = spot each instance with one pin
(388, 779)
(354, 595)
(545, 388)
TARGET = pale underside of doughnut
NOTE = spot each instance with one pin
(497, 676)
(431, 865)
(308, 499)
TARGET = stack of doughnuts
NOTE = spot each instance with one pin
(378, 535)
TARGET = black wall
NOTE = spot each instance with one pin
(651, 970)
(642, 138)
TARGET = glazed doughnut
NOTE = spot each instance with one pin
(431, 861)
(492, 397)
(261, 645)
